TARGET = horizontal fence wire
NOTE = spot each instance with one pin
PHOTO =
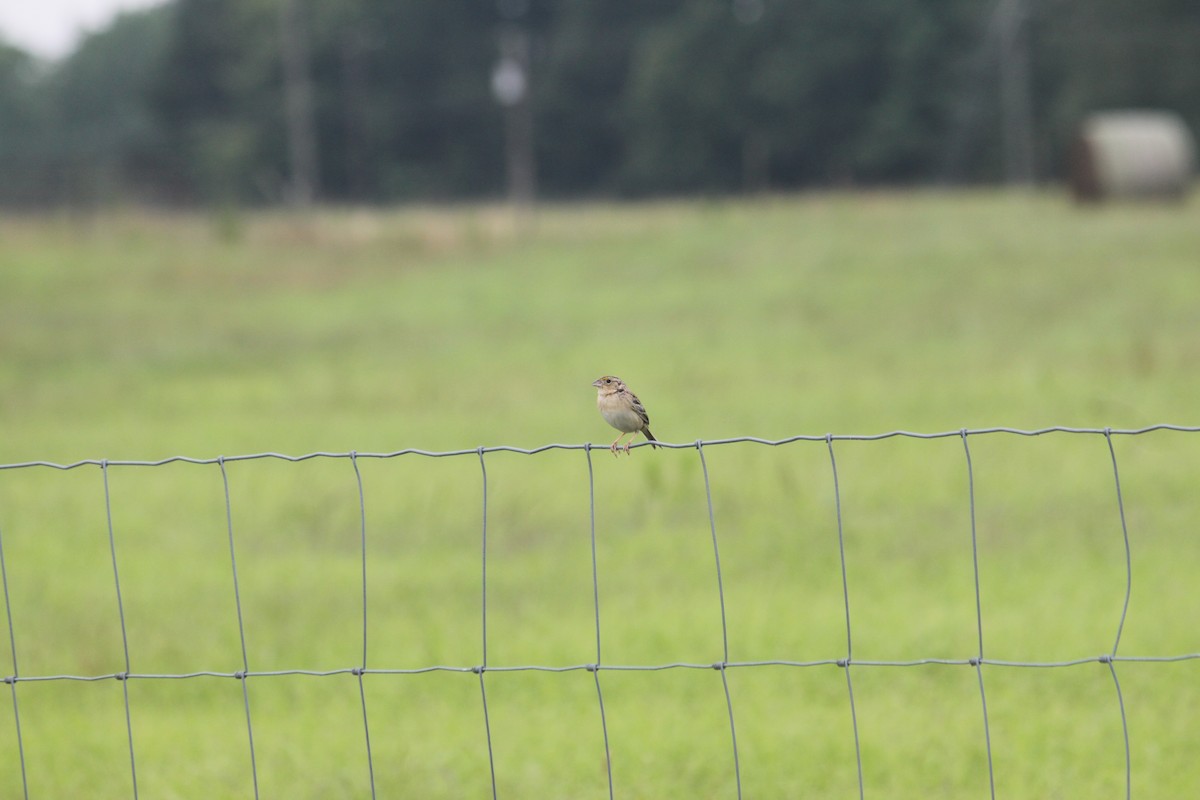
(475, 451)
(847, 662)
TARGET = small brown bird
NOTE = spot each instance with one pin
(621, 409)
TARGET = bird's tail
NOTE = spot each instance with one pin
(650, 436)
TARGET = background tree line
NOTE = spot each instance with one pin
(187, 102)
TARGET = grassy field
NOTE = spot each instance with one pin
(130, 336)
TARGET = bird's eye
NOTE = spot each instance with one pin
(608, 380)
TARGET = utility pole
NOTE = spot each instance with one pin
(301, 188)
(354, 107)
(1004, 46)
(510, 85)
(1016, 100)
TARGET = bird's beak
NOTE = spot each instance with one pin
(596, 383)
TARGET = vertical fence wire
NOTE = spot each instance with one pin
(978, 660)
(845, 664)
(1112, 453)
(483, 577)
(487, 723)
(595, 565)
(124, 676)
(487, 727)
(243, 675)
(16, 671)
(362, 691)
(724, 665)
(596, 607)
(1112, 668)
(362, 539)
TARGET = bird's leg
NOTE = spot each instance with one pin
(613, 446)
(627, 445)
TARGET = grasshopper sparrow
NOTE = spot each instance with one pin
(621, 409)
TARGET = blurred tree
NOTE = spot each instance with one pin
(751, 94)
(105, 135)
(586, 50)
(404, 99)
(219, 102)
(628, 96)
(28, 173)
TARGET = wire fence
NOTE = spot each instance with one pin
(976, 661)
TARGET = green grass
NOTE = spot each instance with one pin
(130, 336)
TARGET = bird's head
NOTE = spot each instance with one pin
(608, 383)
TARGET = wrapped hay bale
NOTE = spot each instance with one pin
(1147, 154)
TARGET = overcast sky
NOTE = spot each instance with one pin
(51, 28)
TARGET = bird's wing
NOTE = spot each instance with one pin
(640, 410)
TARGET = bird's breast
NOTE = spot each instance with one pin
(618, 414)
